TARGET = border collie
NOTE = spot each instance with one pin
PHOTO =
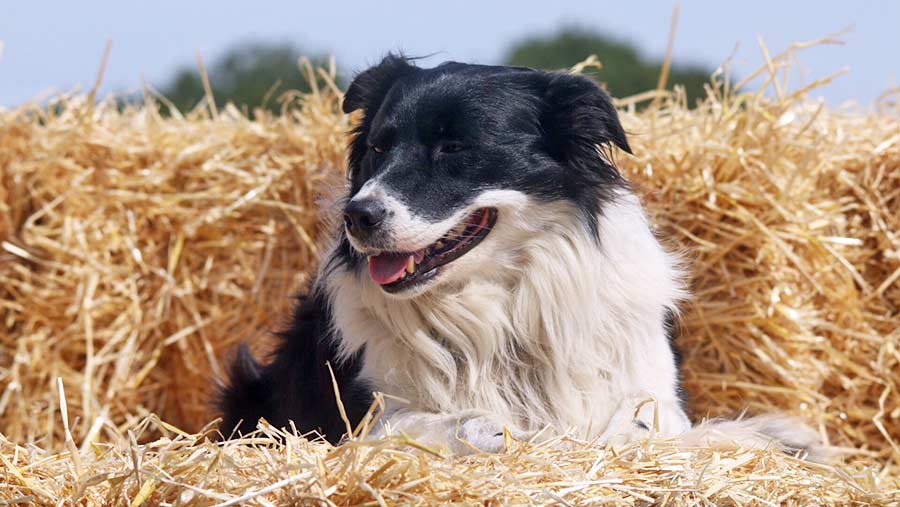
(493, 270)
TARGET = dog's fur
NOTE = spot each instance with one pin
(561, 317)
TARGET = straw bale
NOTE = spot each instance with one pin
(136, 250)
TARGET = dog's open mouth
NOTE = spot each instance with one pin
(395, 271)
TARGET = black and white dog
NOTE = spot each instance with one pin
(493, 269)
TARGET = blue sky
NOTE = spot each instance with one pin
(57, 45)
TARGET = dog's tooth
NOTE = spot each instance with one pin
(411, 264)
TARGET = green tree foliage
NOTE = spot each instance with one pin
(247, 75)
(625, 71)
(251, 75)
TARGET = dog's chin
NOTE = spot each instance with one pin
(406, 275)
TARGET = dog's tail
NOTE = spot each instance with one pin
(771, 431)
(245, 395)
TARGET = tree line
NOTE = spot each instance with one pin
(253, 75)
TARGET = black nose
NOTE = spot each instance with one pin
(363, 216)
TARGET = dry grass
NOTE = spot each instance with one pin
(136, 250)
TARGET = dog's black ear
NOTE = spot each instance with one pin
(578, 119)
(370, 86)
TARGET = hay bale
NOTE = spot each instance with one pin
(135, 250)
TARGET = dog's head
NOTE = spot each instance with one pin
(443, 157)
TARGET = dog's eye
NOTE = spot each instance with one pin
(451, 147)
(377, 149)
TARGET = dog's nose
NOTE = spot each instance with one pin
(363, 216)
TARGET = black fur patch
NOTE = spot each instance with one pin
(673, 331)
(296, 386)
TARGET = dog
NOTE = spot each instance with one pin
(493, 270)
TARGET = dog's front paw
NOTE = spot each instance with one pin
(481, 433)
(461, 433)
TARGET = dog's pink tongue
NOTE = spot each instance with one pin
(387, 267)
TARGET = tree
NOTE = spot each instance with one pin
(625, 71)
(250, 76)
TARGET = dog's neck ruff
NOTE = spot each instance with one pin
(560, 322)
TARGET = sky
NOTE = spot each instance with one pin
(52, 46)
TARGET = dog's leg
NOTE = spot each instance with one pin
(462, 432)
